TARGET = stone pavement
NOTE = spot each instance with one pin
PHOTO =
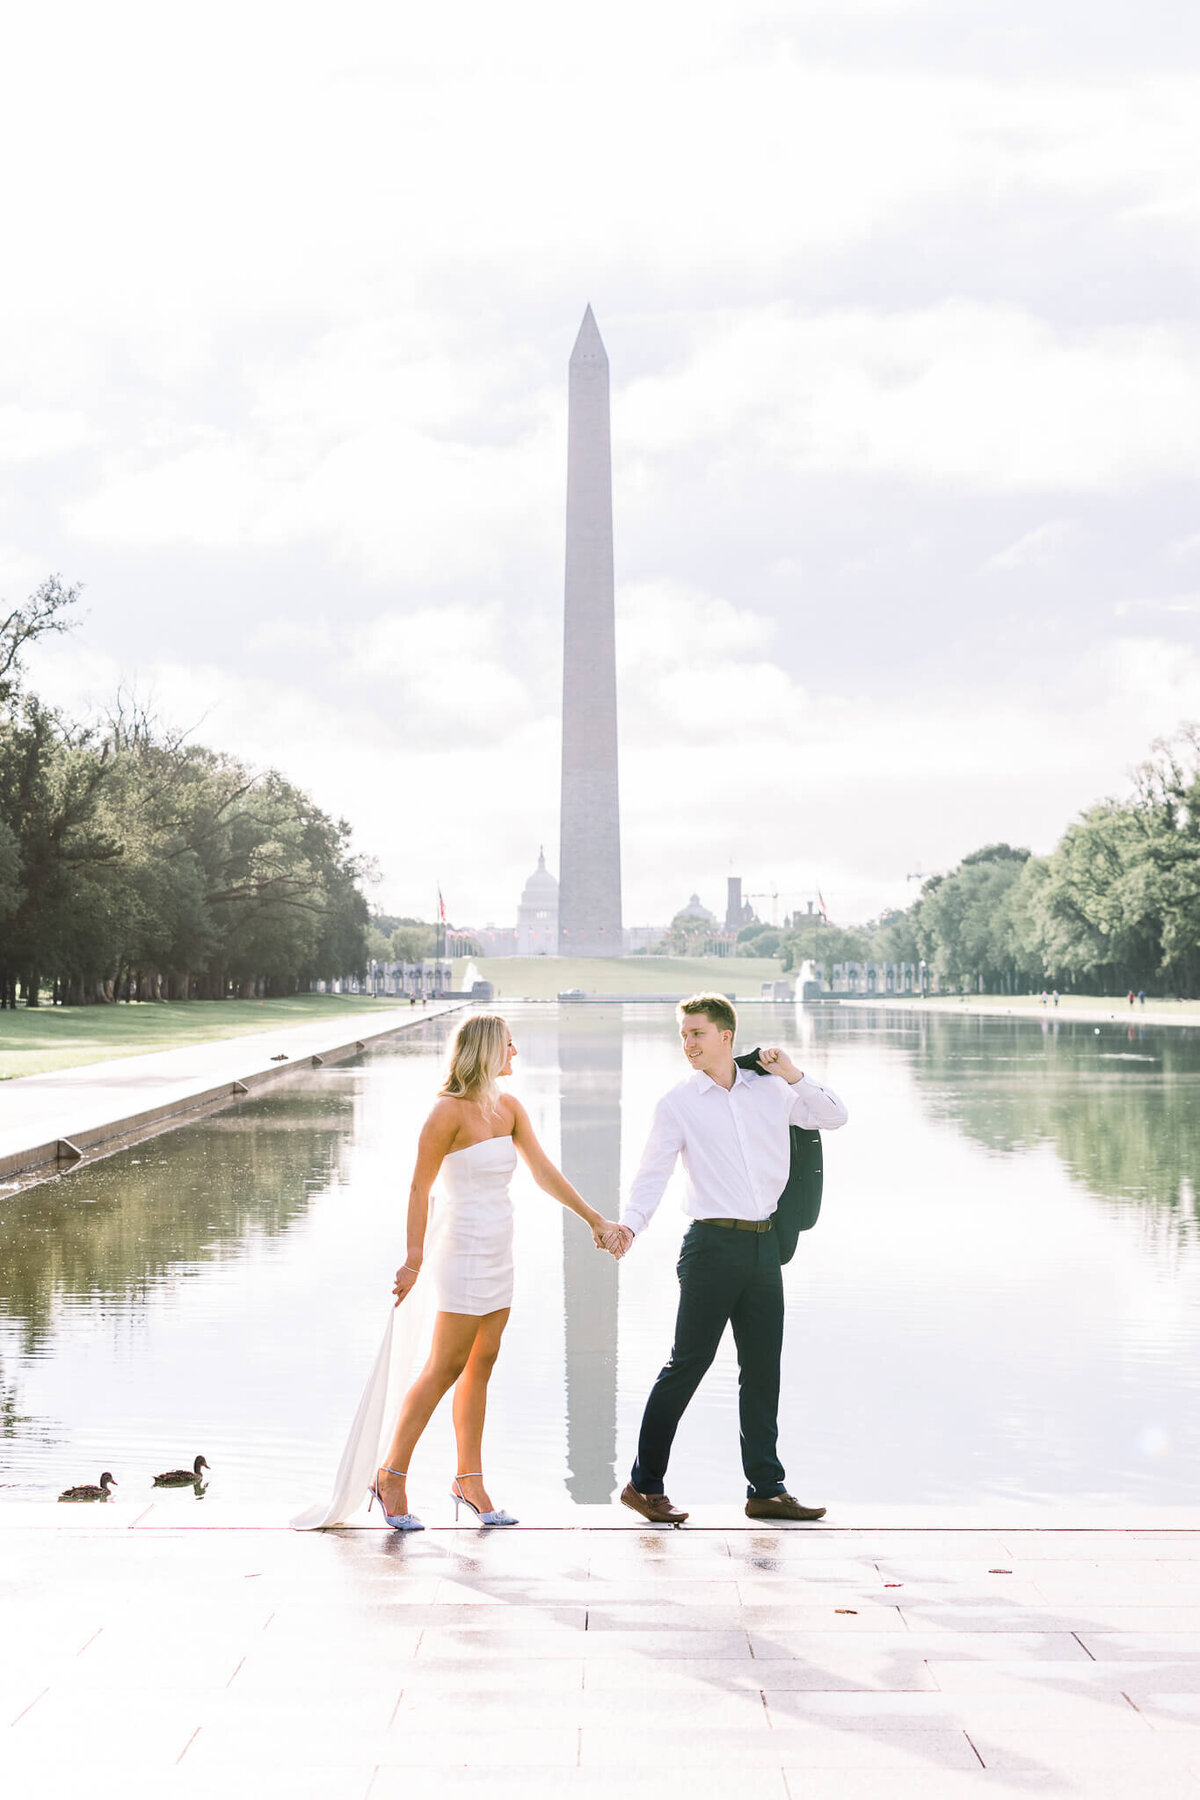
(102, 1106)
(144, 1653)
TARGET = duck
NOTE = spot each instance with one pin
(181, 1477)
(87, 1492)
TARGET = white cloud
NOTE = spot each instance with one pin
(1035, 549)
(959, 395)
(29, 433)
(20, 573)
(1170, 603)
(386, 498)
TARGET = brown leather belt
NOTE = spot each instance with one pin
(740, 1224)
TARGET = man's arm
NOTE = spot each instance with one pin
(815, 1108)
(658, 1160)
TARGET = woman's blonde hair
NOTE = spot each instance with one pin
(477, 1055)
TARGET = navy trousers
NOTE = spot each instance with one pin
(725, 1278)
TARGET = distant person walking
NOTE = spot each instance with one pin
(469, 1144)
(731, 1128)
(1131, 996)
(1141, 996)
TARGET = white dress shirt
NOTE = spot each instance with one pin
(734, 1143)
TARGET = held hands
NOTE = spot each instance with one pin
(614, 1238)
(778, 1062)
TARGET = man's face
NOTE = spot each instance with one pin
(704, 1046)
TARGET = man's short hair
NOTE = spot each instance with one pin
(714, 1007)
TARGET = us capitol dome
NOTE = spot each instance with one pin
(537, 915)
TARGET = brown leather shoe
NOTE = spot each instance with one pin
(655, 1507)
(781, 1506)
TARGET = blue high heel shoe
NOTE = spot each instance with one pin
(398, 1521)
(485, 1518)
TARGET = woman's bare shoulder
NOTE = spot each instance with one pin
(511, 1111)
(444, 1118)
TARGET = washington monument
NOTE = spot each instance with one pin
(589, 902)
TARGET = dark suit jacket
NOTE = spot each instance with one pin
(800, 1201)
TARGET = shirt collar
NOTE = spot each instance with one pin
(702, 1082)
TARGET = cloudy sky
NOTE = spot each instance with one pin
(901, 304)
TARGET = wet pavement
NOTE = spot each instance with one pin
(838, 1664)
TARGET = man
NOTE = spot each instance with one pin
(731, 1128)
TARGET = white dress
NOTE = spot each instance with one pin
(468, 1268)
(469, 1259)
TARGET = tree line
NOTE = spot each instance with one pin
(1114, 908)
(134, 864)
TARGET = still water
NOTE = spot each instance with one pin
(1002, 1296)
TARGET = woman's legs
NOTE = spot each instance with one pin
(454, 1335)
(470, 1405)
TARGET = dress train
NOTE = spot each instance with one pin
(398, 1359)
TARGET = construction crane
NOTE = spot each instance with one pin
(773, 898)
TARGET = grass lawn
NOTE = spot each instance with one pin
(545, 977)
(62, 1037)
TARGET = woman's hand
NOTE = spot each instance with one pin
(614, 1238)
(406, 1281)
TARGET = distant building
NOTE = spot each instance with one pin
(872, 977)
(424, 980)
(695, 931)
(536, 930)
(738, 912)
(537, 915)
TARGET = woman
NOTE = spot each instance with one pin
(470, 1140)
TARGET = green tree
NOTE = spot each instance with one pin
(10, 870)
(413, 941)
(968, 924)
(813, 940)
(51, 783)
(44, 612)
(759, 940)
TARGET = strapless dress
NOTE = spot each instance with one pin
(469, 1254)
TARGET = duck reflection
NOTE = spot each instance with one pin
(589, 1061)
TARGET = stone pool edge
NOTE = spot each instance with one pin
(65, 1137)
(182, 1513)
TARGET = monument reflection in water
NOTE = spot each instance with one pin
(589, 1062)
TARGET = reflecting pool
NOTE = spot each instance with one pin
(1002, 1296)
